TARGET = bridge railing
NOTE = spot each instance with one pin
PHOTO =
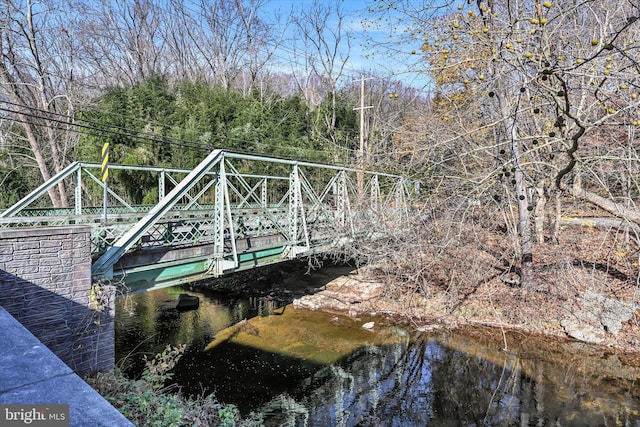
(228, 198)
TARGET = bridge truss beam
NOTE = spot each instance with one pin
(281, 209)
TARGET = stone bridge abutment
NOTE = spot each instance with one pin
(45, 283)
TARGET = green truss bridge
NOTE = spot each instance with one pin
(232, 212)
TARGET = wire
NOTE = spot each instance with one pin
(127, 133)
(85, 130)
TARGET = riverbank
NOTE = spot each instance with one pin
(589, 317)
(294, 366)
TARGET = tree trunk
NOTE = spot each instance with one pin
(27, 82)
(557, 217)
(540, 211)
(525, 234)
(524, 223)
(37, 154)
(40, 93)
(608, 205)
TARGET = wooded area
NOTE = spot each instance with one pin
(530, 116)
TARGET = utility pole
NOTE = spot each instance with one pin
(361, 152)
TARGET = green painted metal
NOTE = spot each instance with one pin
(31, 197)
(102, 268)
(300, 212)
(164, 275)
(264, 253)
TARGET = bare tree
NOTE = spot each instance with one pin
(326, 47)
(36, 74)
(525, 96)
(222, 41)
(122, 41)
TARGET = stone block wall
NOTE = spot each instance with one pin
(45, 283)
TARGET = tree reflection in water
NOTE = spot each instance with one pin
(440, 381)
(457, 378)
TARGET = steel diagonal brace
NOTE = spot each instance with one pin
(251, 193)
(41, 190)
(317, 209)
(192, 200)
(200, 194)
(110, 191)
(103, 267)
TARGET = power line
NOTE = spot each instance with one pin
(86, 130)
(114, 130)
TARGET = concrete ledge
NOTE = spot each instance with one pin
(18, 232)
(31, 374)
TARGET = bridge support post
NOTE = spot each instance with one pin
(78, 192)
(344, 205)
(375, 194)
(224, 229)
(161, 187)
(263, 194)
(401, 198)
(298, 232)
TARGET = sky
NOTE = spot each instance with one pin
(364, 52)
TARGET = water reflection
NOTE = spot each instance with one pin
(435, 381)
(302, 368)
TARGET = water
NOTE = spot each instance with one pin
(303, 368)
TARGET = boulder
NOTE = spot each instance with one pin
(596, 317)
(188, 302)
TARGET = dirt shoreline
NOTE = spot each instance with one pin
(356, 295)
(558, 311)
